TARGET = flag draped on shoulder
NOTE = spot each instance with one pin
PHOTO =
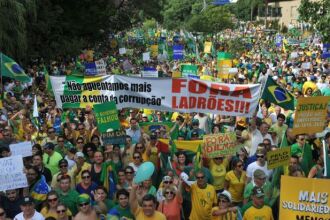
(11, 69)
(40, 190)
(277, 95)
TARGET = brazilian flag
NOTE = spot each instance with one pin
(277, 95)
(11, 69)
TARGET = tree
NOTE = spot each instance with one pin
(212, 20)
(317, 13)
(13, 15)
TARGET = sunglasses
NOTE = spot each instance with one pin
(80, 142)
(222, 200)
(218, 158)
(169, 192)
(85, 177)
(200, 177)
(61, 211)
(168, 182)
(80, 129)
(136, 157)
(52, 200)
(128, 172)
(63, 166)
(51, 132)
(83, 204)
(260, 156)
(302, 139)
(240, 165)
(139, 147)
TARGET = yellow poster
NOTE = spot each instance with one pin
(223, 67)
(207, 47)
(154, 50)
(278, 157)
(310, 114)
(222, 144)
(303, 198)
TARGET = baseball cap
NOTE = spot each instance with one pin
(49, 145)
(258, 192)
(167, 178)
(84, 198)
(225, 194)
(62, 161)
(80, 154)
(27, 200)
(259, 174)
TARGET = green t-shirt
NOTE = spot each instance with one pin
(70, 200)
(266, 187)
(121, 212)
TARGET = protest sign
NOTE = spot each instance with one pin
(22, 148)
(127, 65)
(184, 145)
(176, 74)
(187, 70)
(163, 94)
(149, 127)
(224, 63)
(114, 137)
(154, 50)
(278, 40)
(146, 56)
(178, 52)
(306, 65)
(149, 72)
(207, 47)
(106, 115)
(222, 144)
(96, 68)
(326, 51)
(304, 198)
(278, 157)
(310, 115)
(122, 50)
(11, 173)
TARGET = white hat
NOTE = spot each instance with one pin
(226, 194)
(80, 154)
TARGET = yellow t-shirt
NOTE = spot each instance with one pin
(202, 202)
(139, 215)
(236, 186)
(227, 216)
(218, 172)
(85, 166)
(253, 213)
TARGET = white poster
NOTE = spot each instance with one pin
(146, 56)
(22, 148)
(11, 173)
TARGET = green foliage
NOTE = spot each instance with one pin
(245, 10)
(149, 24)
(212, 20)
(316, 13)
(190, 14)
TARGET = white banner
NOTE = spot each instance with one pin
(11, 173)
(22, 148)
(164, 94)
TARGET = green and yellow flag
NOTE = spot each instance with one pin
(11, 69)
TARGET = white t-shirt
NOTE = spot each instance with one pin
(254, 166)
(36, 216)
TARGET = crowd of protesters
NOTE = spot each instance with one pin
(90, 180)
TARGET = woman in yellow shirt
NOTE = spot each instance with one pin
(50, 209)
(224, 210)
(218, 169)
(235, 181)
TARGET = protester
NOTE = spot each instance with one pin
(28, 211)
(85, 210)
(225, 210)
(259, 209)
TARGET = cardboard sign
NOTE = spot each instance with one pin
(146, 56)
(310, 115)
(114, 137)
(222, 144)
(122, 51)
(207, 47)
(278, 157)
(22, 148)
(11, 173)
(106, 115)
(304, 198)
(154, 50)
